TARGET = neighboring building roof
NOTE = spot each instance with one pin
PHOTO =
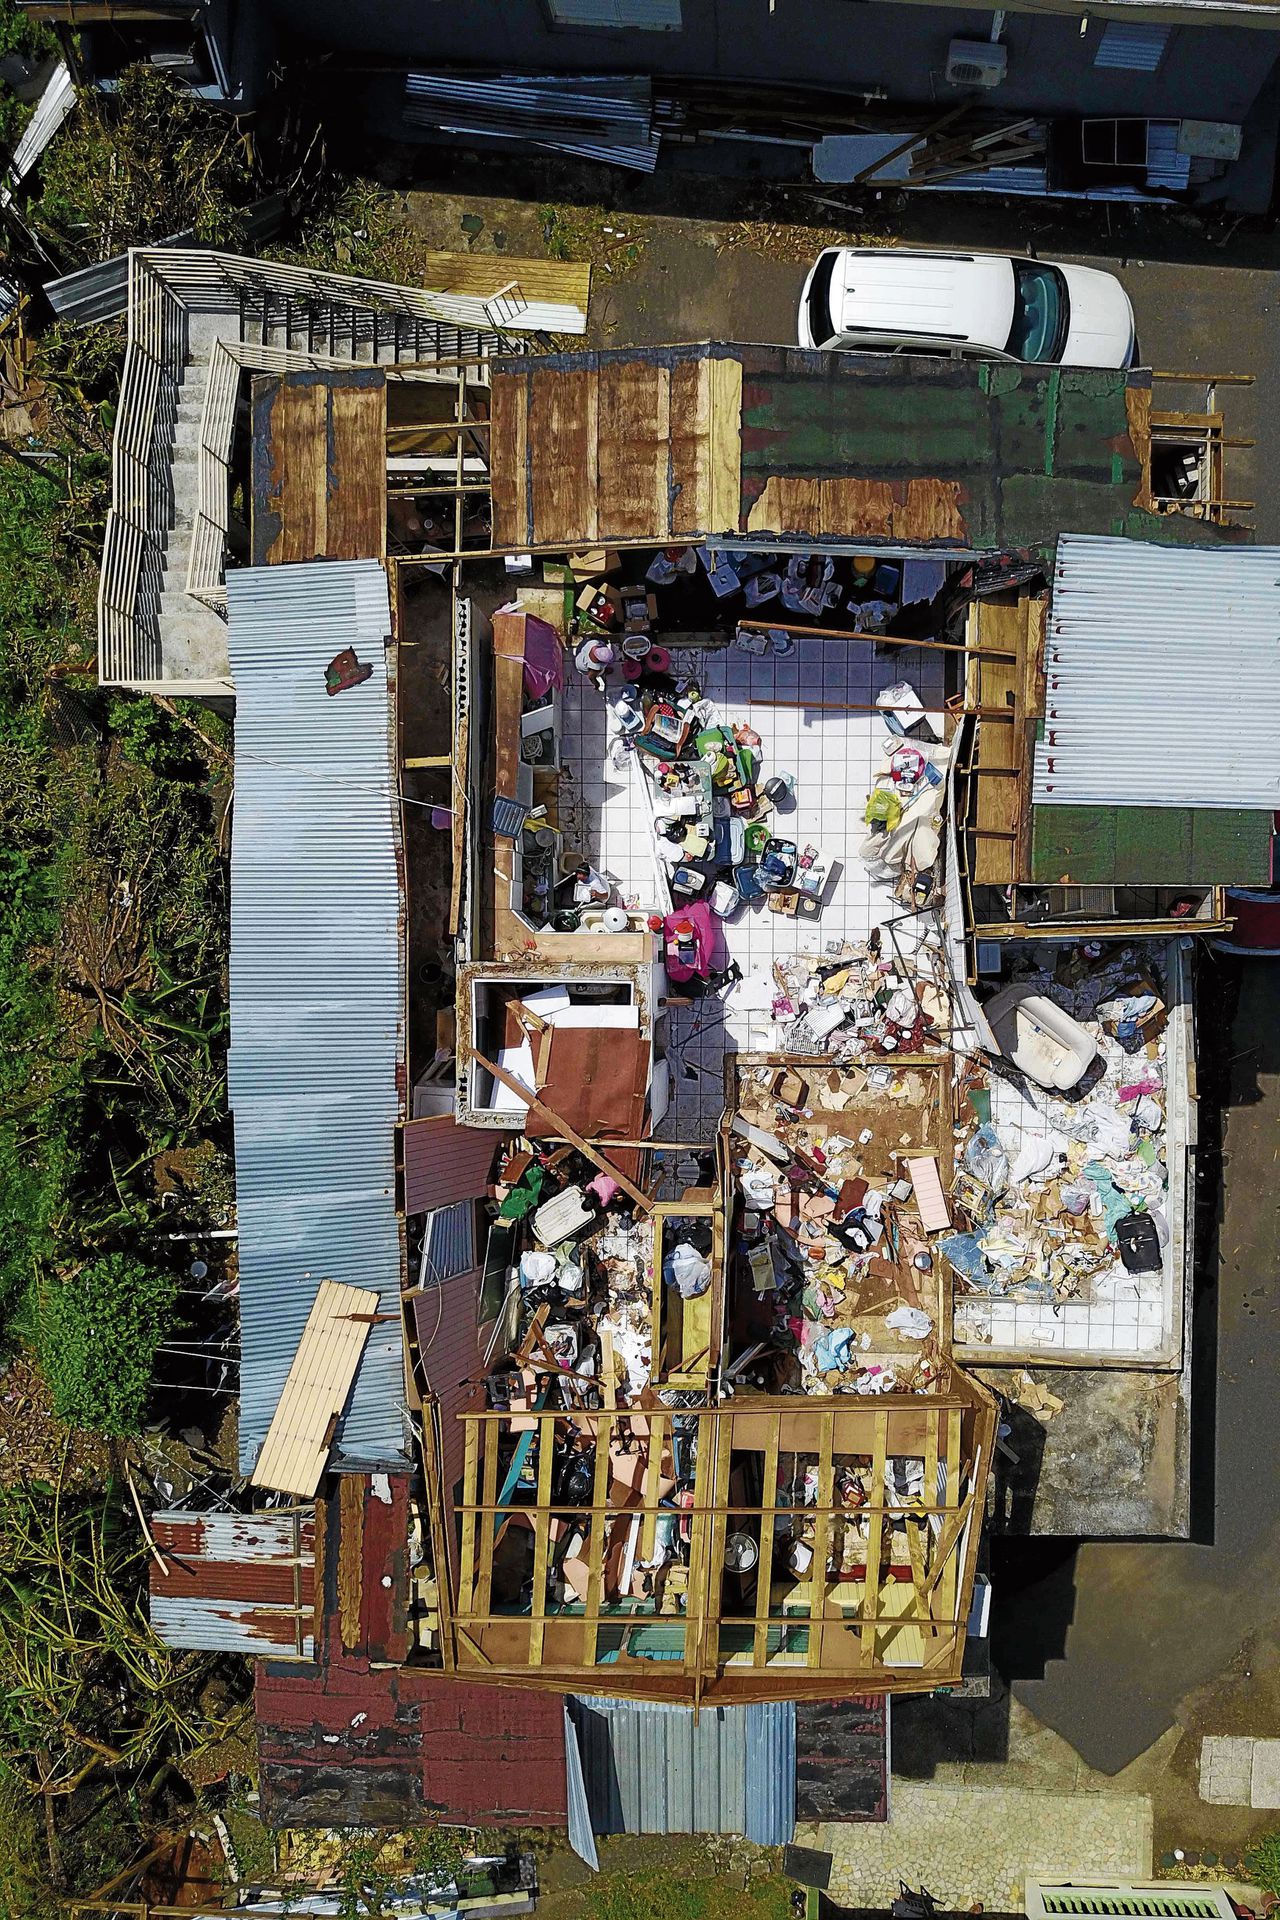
(1162, 678)
(842, 1759)
(865, 449)
(317, 987)
(235, 1582)
(351, 1741)
(1158, 761)
(650, 1768)
(319, 488)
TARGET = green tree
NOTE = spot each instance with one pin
(98, 1333)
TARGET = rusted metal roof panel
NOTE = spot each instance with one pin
(236, 1582)
(352, 1741)
(316, 1070)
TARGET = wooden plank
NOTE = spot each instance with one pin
(483, 1598)
(946, 1546)
(596, 1541)
(714, 1532)
(565, 283)
(355, 523)
(841, 507)
(724, 465)
(652, 1477)
(508, 462)
(470, 1453)
(822, 1537)
(875, 1539)
(635, 429)
(350, 1577)
(562, 455)
(296, 1448)
(541, 1541)
(789, 504)
(764, 1568)
(689, 511)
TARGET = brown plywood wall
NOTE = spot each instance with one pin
(609, 451)
(319, 466)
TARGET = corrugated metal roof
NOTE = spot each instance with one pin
(1136, 48)
(317, 985)
(1162, 677)
(650, 1768)
(236, 1582)
(596, 116)
(52, 108)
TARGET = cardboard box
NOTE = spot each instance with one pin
(594, 563)
(601, 603)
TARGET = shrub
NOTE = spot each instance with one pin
(98, 1335)
(1262, 1863)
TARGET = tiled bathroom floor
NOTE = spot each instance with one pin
(832, 752)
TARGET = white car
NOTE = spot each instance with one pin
(987, 305)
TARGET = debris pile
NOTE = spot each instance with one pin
(1063, 1191)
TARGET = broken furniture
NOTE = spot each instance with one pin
(1038, 1038)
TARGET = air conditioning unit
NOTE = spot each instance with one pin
(976, 63)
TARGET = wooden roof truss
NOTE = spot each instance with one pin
(864, 1517)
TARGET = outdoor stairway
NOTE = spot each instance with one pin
(363, 335)
(193, 636)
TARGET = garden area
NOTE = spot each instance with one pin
(117, 1271)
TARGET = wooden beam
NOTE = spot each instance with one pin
(470, 1451)
(541, 1543)
(768, 1530)
(879, 639)
(596, 1540)
(822, 1536)
(652, 1476)
(875, 1540)
(484, 1590)
(598, 1159)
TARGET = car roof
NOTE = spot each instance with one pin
(965, 297)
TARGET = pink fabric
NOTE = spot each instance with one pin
(543, 657)
(699, 916)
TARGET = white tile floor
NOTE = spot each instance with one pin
(832, 753)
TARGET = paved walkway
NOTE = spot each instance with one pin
(981, 1843)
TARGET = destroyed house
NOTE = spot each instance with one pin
(731, 1133)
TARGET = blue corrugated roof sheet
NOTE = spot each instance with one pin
(649, 1768)
(317, 987)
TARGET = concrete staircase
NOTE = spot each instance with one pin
(193, 636)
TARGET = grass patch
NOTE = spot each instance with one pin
(670, 1895)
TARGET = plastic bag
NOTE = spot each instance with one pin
(883, 808)
(537, 1269)
(685, 1269)
(987, 1160)
(911, 1322)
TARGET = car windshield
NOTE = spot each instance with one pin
(1040, 312)
(819, 300)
